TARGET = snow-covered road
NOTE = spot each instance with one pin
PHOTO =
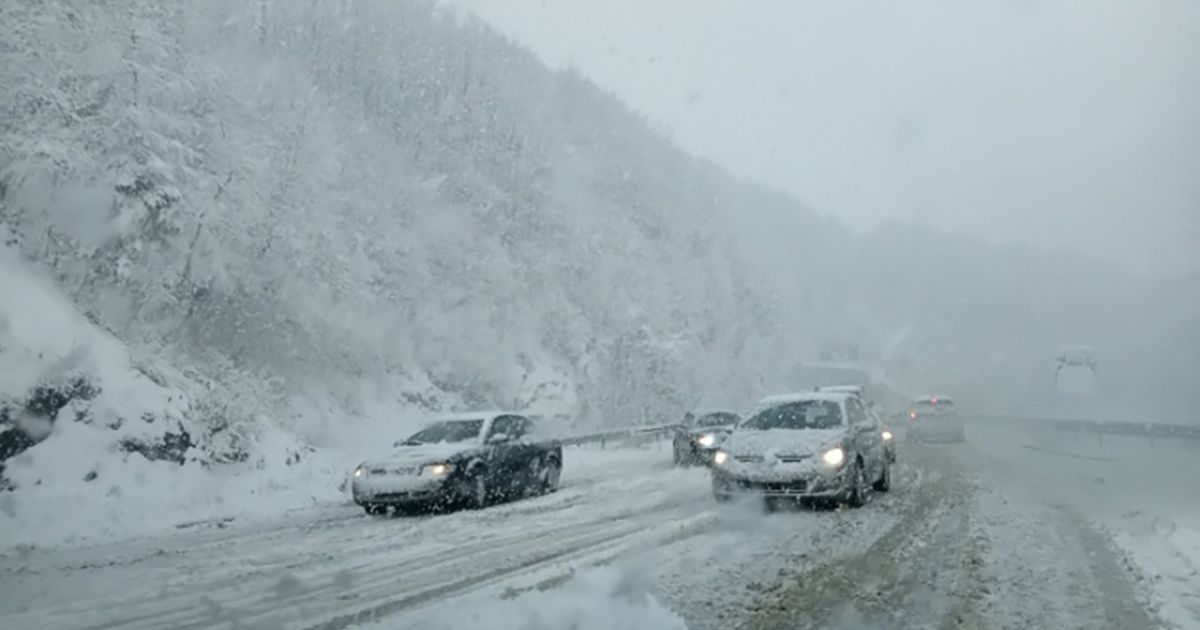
(965, 540)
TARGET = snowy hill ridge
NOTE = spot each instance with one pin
(299, 244)
(268, 201)
(311, 223)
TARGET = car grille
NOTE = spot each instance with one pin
(403, 496)
(748, 459)
(798, 487)
(795, 487)
(396, 470)
(791, 459)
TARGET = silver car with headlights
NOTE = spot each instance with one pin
(859, 391)
(467, 461)
(810, 447)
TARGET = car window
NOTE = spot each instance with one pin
(804, 414)
(506, 425)
(855, 412)
(501, 425)
(447, 431)
(520, 427)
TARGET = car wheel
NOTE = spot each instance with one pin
(884, 483)
(719, 492)
(374, 510)
(858, 485)
(551, 476)
(477, 490)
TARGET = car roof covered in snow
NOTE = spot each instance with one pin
(783, 399)
(844, 389)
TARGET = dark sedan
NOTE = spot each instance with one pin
(699, 436)
(466, 462)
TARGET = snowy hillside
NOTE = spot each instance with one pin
(261, 225)
(269, 202)
(125, 442)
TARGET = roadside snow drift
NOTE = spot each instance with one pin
(97, 445)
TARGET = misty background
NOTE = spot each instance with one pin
(338, 216)
(1066, 125)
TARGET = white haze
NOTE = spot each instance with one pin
(342, 214)
(247, 245)
(1069, 125)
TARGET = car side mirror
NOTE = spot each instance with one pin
(498, 438)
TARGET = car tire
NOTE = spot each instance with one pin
(718, 492)
(551, 475)
(475, 492)
(884, 483)
(857, 492)
(374, 510)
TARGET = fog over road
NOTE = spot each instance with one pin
(1011, 530)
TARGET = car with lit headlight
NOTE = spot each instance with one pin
(934, 419)
(700, 434)
(809, 447)
(466, 461)
(885, 431)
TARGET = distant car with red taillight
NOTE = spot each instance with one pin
(934, 419)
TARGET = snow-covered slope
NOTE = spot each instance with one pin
(311, 223)
(98, 443)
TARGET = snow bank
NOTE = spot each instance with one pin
(99, 446)
(607, 598)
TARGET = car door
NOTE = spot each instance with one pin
(527, 453)
(499, 446)
(867, 437)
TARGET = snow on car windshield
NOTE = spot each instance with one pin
(447, 431)
(804, 414)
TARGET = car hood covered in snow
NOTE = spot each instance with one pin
(782, 442)
(422, 454)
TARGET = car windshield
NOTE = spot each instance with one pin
(799, 415)
(717, 420)
(447, 431)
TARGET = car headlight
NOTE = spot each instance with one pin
(437, 470)
(834, 457)
(720, 457)
(887, 435)
(360, 472)
(706, 440)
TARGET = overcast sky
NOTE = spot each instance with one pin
(1056, 123)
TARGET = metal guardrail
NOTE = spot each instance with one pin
(1136, 429)
(656, 432)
